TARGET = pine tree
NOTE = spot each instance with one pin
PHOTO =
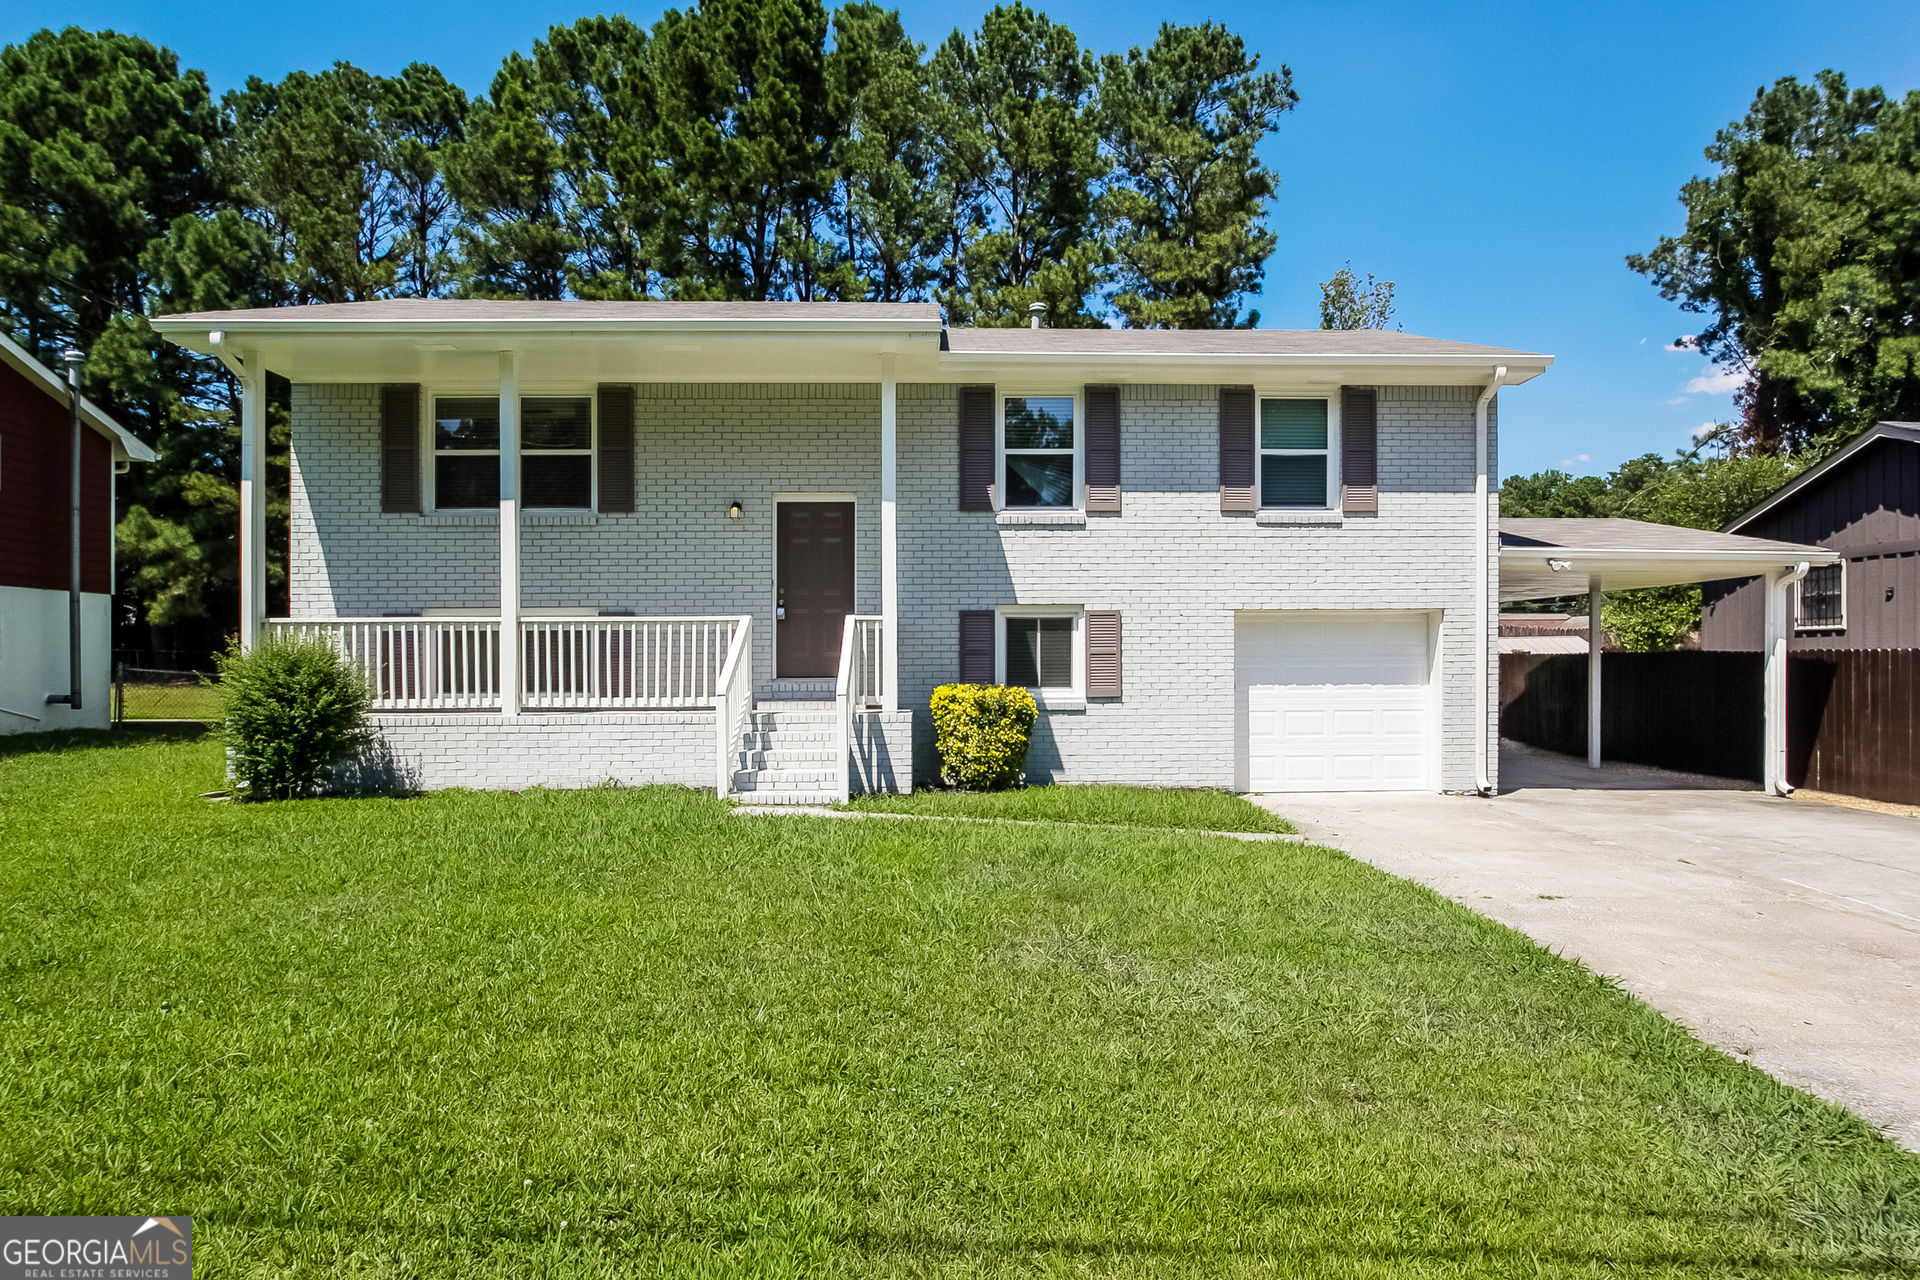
(1187, 204)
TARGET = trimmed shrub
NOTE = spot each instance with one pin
(982, 732)
(292, 711)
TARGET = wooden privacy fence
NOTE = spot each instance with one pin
(1851, 714)
(1692, 711)
(1853, 722)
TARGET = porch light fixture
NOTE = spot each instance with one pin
(1559, 566)
(733, 512)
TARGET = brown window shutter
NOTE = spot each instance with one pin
(400, 449)
(976, 449)
(1103, 653)
(976, 646)
(1236, 449)
(1103, 449)
(616, 449)
(1359, 451)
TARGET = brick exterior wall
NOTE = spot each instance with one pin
(1171, 563)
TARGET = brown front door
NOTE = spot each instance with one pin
(815, 576)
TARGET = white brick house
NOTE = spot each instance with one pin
(738, 544)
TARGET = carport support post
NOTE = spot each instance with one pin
(1596, 637)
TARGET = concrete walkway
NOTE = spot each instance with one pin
(1783, 931)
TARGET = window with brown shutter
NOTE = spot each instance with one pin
(1236, 449)
(1103, 653)
(976, 646)
(1103, 449)
(976, 449)
(616, 449)
(400, 449)
(1359, 451)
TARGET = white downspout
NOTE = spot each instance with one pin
(1483, 558)
(1774, 674)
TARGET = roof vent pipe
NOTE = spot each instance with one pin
(1483, 587)
(1034, 311)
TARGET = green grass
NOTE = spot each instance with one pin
(623, 1032)
(1122, 806)
(179, 701)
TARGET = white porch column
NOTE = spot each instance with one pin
(509, 536)
(889, 537)
(253, 499)
(1596, 641)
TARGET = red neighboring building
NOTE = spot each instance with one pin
(36, 451)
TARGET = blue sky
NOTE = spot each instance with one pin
(1496, 161)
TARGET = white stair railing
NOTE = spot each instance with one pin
(733, 709)
(856, 686)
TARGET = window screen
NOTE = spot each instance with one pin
(1040, 653)
(1293, 453)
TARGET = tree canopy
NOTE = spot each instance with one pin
(1803, 252)
(754, 149)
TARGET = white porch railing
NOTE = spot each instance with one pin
(433, 664)
(618, 663)
(857, 686)
(415, 664)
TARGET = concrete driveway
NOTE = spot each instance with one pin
(1786, 932)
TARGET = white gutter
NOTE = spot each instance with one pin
(217, 343)
(1483, 586)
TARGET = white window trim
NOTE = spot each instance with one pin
(1821, 628)
(1333, 445)
(1069, 699)
(1000, 397)
(429, 499)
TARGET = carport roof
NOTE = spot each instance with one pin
(1632, 553)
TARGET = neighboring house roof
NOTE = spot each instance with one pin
(1904, 431)
(127, 446)
(1544, 644)
(1541, 559)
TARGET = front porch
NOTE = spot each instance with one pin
(627, 700)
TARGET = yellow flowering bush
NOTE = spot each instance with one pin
(981, 732)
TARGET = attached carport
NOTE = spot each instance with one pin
(1549, 559)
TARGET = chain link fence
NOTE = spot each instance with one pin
(144, 693)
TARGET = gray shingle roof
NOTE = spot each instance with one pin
(473, 310)
(1629, 536)
(1215, 342)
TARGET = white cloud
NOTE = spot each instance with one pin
(1683, 343)
(1578, 457)
(1716, 382)
(1675, 400)
(1702, 431)
(1643, 342)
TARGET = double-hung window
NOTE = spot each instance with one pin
(1295, 457)
(1823, 594)
(556, 452)
(466, 451)
(1040, 649)
(1040, 451)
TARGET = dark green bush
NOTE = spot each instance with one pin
(292, 711)
(981, 732)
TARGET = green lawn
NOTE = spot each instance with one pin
(1123, 806)
(179, 700)
(623, 1032)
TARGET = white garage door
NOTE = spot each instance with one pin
(1332, 701)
